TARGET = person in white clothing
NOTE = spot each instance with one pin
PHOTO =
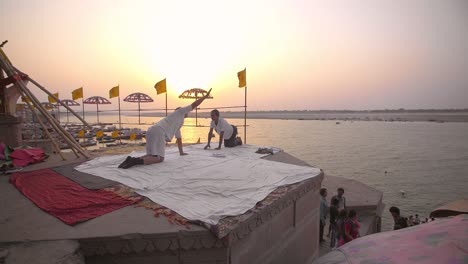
(227, 132)
(162, 132)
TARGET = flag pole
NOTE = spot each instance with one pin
(166, 102)
(120, 122)
(139, 111)
(97, 112)
(245, 116)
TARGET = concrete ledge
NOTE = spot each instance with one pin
(46, 252)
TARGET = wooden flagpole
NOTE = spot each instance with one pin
(166, 102)
(245, 116)
(97, 112)
(120, 121)
(139, 111)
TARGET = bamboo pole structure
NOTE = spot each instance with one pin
(120, 121)
(56, 125)
(54, 143)
(10, 70)
(60, 130)
(53, 96)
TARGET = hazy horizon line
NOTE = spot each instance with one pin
(400, 110)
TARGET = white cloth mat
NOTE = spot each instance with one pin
(205, 185)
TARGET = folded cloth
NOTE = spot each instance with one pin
(65, 199)
(23, 157)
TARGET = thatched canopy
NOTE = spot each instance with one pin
(70, 102)
(96, 100)
(138, 98)
(48, 105)
(194, 93)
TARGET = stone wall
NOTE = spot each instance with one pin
(290, 237)
(10, 130)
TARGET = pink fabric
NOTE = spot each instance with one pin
(352, 229)
(23, 157)
(437, 242)
(65, 199)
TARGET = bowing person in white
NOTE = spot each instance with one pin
(226, 132)
(162, 132)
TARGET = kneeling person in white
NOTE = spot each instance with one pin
(162, 132)
(226, 132)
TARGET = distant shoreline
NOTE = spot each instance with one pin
(360, 116)
(388, 116)
(439, 116)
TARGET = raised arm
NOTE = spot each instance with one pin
(199, 101)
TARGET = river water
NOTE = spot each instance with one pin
(428, 160)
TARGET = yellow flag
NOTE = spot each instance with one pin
(115, 134)
(99, 134)
(242, 75)
(114, 92)
(25, 99)
(160, 87)
(82, 133)
(77, 93)
(52, 100)
(133, 136)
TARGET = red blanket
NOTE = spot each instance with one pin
(23, 157)
(64, 198)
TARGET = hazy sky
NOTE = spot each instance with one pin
(299, 54)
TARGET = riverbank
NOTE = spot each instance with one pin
(388, 116)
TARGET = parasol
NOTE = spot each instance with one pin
(69, 102)
(138, 98)
(97, 100)
(195, 93)
(48, 105)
